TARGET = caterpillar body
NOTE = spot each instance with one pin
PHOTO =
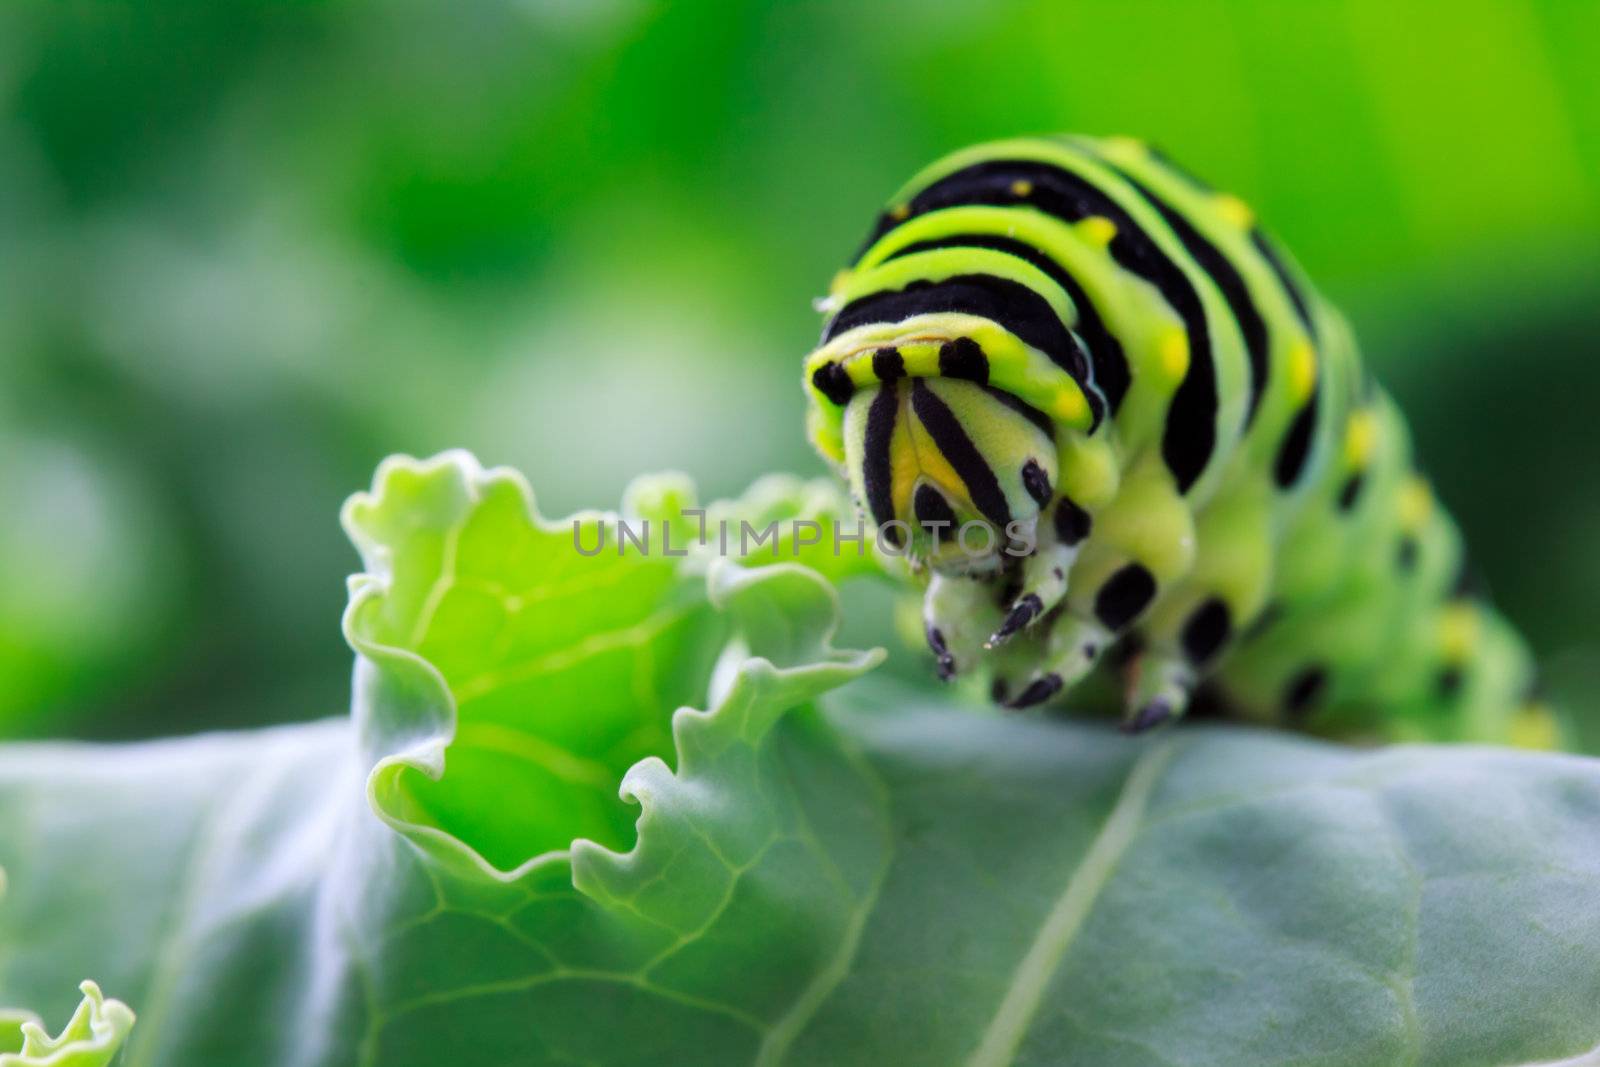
(1168, 441)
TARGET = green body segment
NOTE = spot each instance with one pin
(1071, 340)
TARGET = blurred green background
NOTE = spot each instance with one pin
(246, 251)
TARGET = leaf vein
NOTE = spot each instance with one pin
(1020, 1004)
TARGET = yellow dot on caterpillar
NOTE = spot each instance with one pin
(1124, 147)
(1021, 187)
(1360, 437)
(1234, 211)
(900, 212)
(1302, 370)
(1416, 504)
(1174, 351)
(1458, 631)
(1098, 230)
(1069, 406)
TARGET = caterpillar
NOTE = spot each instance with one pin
(1167, 439)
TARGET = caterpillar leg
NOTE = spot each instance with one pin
(1049, 663)
(958, 613)
(1189, 629)
(1107, 595)
(1044, 584)
(1143, 541)
(1159, 687)
(1142, 545)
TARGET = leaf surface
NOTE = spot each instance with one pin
(529, 846)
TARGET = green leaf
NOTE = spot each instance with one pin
(91, 1037)
(529, 847)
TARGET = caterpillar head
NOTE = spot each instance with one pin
(954, 474)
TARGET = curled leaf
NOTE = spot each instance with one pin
(91, 1037)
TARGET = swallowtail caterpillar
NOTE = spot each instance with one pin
(1169, 438)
